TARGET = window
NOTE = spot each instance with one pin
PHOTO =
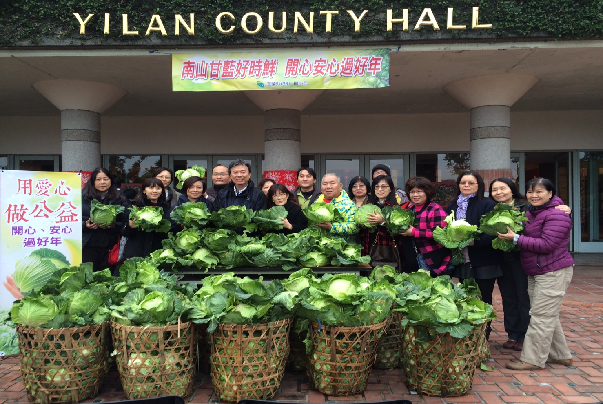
(132, 170)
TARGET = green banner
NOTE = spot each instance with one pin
(292, 69)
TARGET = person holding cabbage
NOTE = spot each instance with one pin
(424, 252)
(547, 262)
(358, 189)
(514, 283)
(142, 243)
(373, 232)
(192, 191)
(102, 218)
(296, 221)
(333, 193)
(481, 261)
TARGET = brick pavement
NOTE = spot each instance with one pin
(582, 319)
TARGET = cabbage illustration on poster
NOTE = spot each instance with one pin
(40, 229)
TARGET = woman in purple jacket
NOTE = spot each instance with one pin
(547, 262)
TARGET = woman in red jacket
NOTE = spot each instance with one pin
(547, 262)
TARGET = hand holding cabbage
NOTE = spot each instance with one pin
(457, 235)
(398, 220)
(149, 218)
(320, 212)
(104, 215)
(500, 220)
(364, 214)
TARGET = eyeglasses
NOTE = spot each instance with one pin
(381, 186)
(420, 191)
(472, 183)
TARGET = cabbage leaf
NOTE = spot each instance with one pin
(104, 215)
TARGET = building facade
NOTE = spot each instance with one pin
(507, 92)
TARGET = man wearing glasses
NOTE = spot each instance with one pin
(219, 179)
(240, 190)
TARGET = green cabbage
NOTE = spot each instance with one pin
(164, 256)
(150, 218)
(228, 299)
(104, 215)
(314, 259)
(440, 304)
(34, 311)
(233, 217)
(268, 219)
(497, 221)
(361, 215)
(187, 241)
(84, 303)
(398, 220)
(182, 175)
(203, 258)
(320, 212)
(457, 234)
(252, 248)
(218, 241)
(189, 214)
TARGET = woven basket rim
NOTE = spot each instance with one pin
(169, 327)
(375, 326)
(24, 329)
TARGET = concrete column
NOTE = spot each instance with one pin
(489, 99)
(282, 136)
(282, 122)
(80, 140)
(491, 141)
(81, 104)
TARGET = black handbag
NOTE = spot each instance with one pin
(385, 255)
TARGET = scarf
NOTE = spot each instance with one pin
(462, 203)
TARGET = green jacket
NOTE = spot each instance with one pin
(303, 202)
(347, 227)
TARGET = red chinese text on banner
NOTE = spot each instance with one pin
(286, 177)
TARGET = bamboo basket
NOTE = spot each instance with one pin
(155, 361)
(342, 357)
(65, 365)
(248, 361)
(437, 364)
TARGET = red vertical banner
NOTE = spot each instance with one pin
(84, 174)
(286, 177)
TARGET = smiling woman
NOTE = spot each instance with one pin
(142, 243)
(482, 262)
(98, 239)
(296, 221)
(547, 262)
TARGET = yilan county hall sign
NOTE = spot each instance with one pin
(252, 23)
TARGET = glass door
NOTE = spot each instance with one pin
(37, 163)
(588, 202)
(345, 166)
(398, 164)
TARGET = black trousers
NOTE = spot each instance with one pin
(513, 287)
(99, 256)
